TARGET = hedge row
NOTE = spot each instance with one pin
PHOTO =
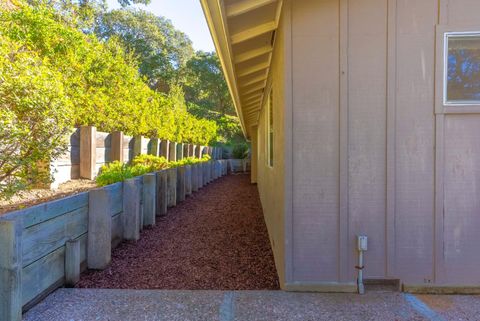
(99, 83)
(142, 164)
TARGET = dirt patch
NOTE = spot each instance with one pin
(32, 197)
(216, 239)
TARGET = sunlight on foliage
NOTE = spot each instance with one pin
(34, 116)
(117, 172)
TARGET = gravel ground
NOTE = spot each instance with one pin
(216, 239)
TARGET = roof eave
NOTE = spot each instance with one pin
(215, 16)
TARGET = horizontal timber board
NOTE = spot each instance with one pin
(42, 274)
(42, 239)
(47, 211)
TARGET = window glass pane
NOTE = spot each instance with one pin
(463, 69)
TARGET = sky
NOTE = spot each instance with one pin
(186, 16)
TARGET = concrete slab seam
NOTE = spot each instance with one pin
(227, 309)
(422, 308)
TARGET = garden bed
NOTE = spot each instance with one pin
(33, 197)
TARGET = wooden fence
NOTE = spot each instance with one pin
(88, 150)
(48, 245)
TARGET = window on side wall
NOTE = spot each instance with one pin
(461, 69)
(270, 130)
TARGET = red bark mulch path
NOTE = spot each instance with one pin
(215, 240)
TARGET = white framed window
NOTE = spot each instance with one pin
(458, 70)
(270, 130)
(462, 68)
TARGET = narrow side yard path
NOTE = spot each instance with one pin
(215, 240)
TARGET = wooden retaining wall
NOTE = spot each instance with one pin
(34, 240)
(88, 150)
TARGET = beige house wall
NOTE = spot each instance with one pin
(359, 148)
(271, 180)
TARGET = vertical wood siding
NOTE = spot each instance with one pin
(315, 78)
(364, 141)
(367, 63)
(415, 137)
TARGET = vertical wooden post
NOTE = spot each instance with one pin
(172, 187)
(11, 270)
(131, 209)
(209, 169)
(117, 146)
(164, 149)
(188, 180)
(194, 150)
(72, 262)
(212, 170)
(217, 169)
(180, 184)
(179, 151)
(149, 202)
(162, 201)
(99, 240)
(194, 178)
(88, 150)
(185, 150)
(198, 151)
(190, 150)
(205, 173)
(155, 147)
(138, 145)
(172, 152)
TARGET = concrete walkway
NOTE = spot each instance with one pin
(156, 305)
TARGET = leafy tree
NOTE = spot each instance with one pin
(206, 86)
(229, 130)
(125, 3)
(162, 51)
(101, 79)
(81, 13)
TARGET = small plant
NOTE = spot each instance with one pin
(240, 151)
(190, 161)
(117, 172)
(154, 163)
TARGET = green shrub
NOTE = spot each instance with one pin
(34, 115)
(54, 77)
(117, 172)
(240, 151)
(102, 80)
(189, 161)
(154, 163)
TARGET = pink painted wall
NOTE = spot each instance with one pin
(369, 153)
